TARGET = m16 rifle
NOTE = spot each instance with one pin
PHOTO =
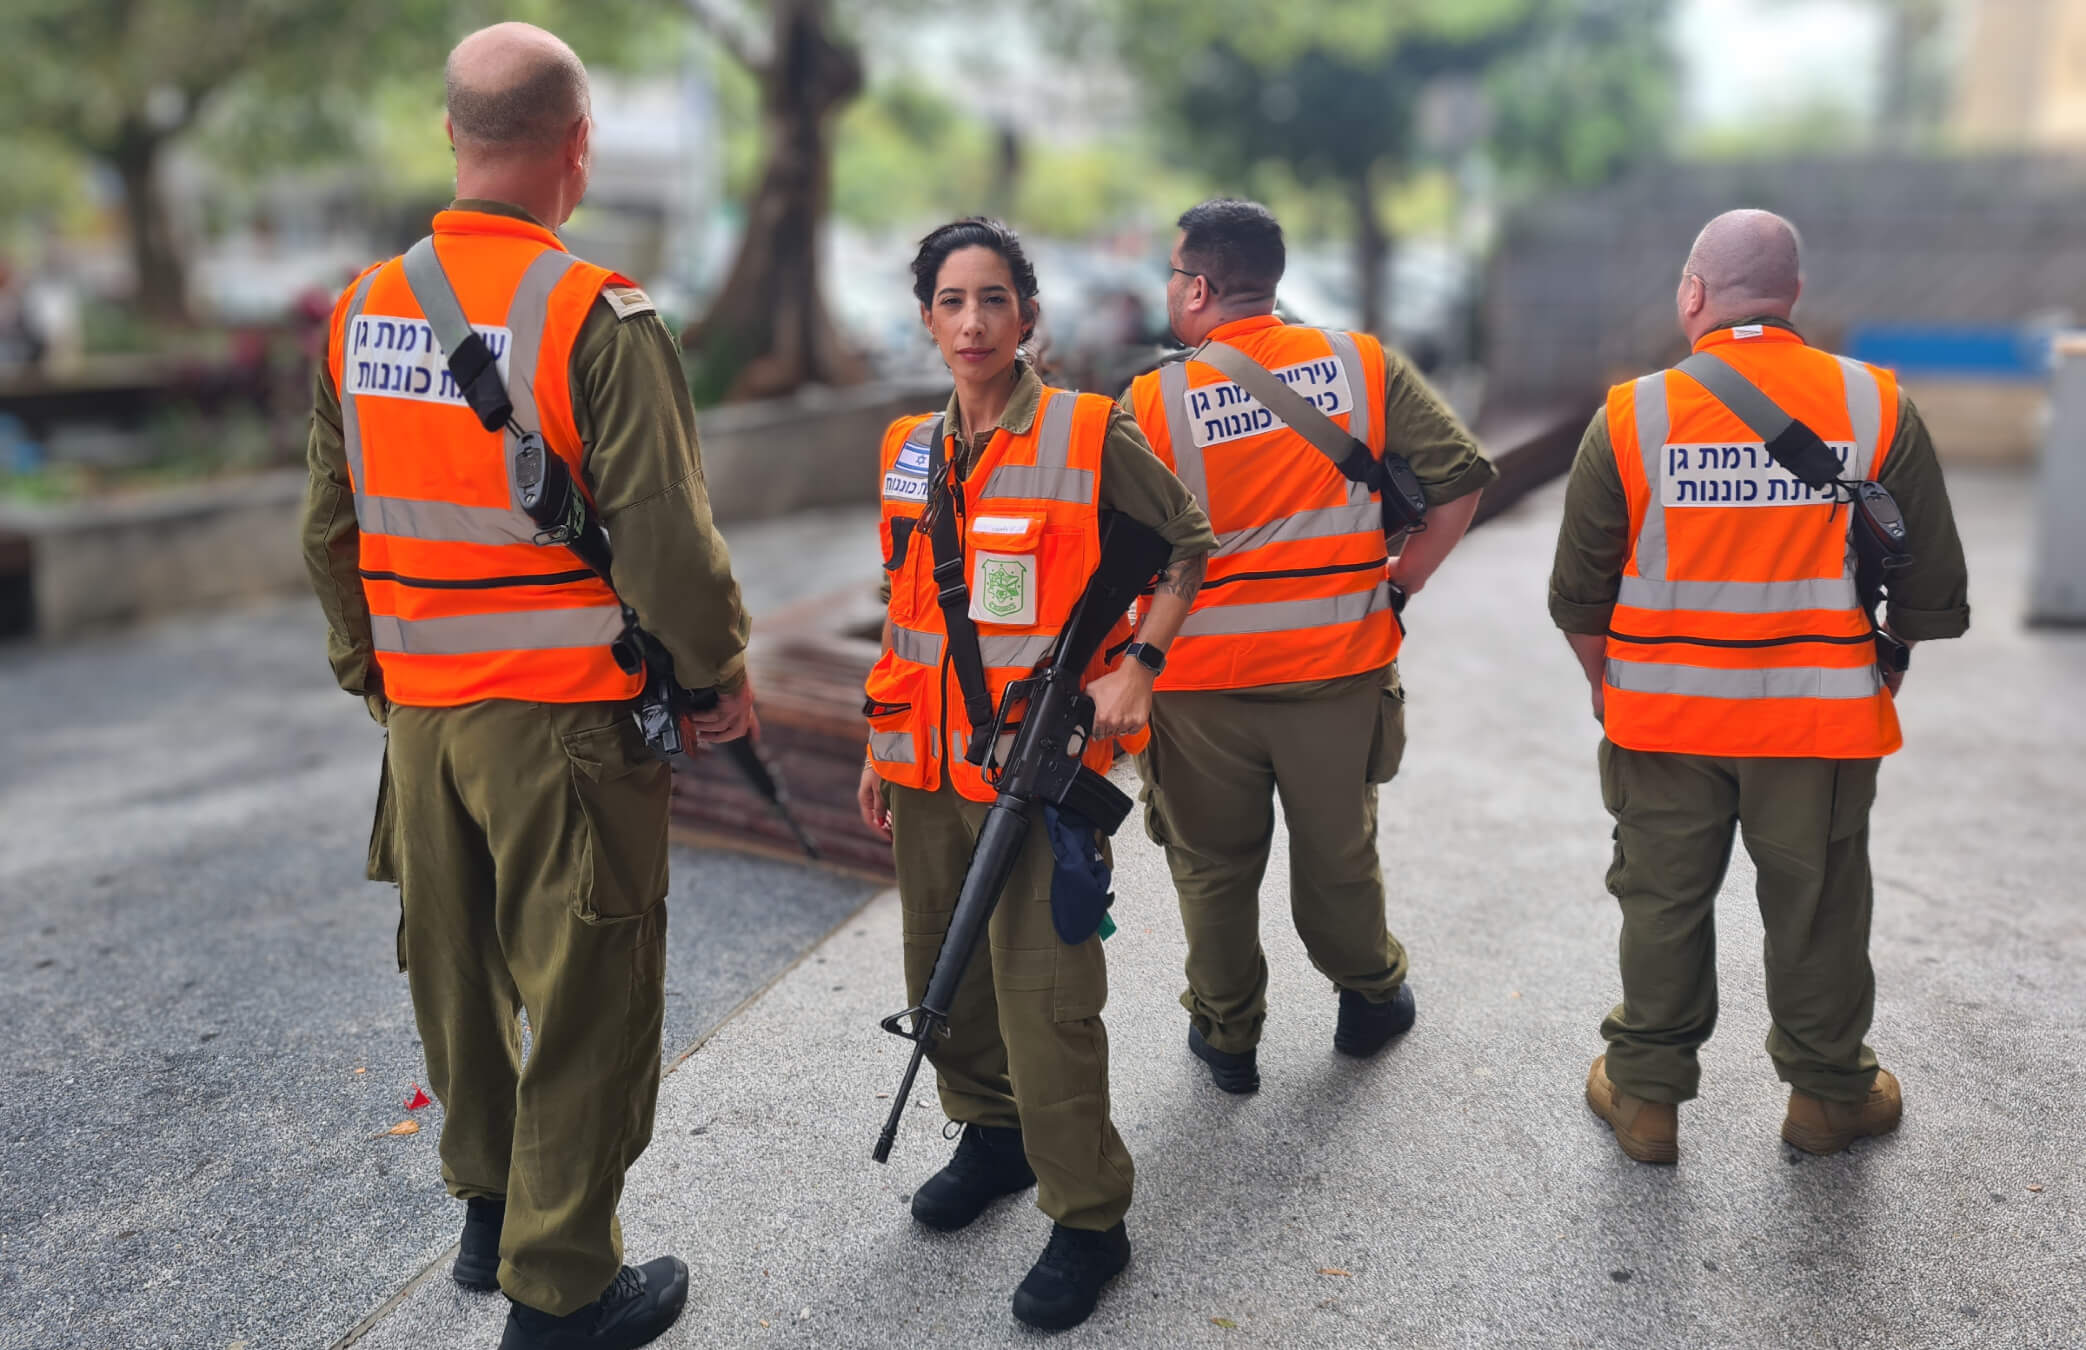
(1056, 719)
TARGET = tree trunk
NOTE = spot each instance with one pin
(768, 331)
(1371, 254)
(162, 273)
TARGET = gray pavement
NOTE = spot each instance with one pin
(202, 1029)
(184, 1150)
(1456, 1191)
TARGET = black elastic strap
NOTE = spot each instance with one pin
(953, 594)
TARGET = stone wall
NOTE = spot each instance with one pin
(124, 558)
(1581, 290)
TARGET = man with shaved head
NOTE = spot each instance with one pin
(520, 810)
(1719, 573)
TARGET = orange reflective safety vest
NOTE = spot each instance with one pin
(1031, 534)
(464, 605)
(1737, 630)
(1297, 589)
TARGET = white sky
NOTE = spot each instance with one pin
(1744, 60)
(1741, 61)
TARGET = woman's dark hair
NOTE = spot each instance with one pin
(976, 232)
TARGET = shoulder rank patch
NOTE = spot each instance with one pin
(628, 301)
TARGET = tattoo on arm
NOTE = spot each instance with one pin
(1183, 578)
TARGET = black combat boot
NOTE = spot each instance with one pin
(988, 1164)
(1233, 1073)
(478, 1259)
(638, 1305)
(1065, 1283)
(1366, 1027)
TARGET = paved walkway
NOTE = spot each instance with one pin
(1456, 1191)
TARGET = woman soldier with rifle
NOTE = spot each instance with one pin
(993, 713)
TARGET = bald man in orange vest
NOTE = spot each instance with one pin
(521, 812)
(1707, 579)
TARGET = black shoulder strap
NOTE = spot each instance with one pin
(470, 361)
(1789, 442)
(953, 593)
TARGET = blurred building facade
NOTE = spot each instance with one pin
(2022, 82)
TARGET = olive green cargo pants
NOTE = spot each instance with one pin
(1215, 764)
(1026, 1047)
(529, 843)
(1806, 826)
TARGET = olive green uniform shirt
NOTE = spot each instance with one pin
(1134, 481)
(1445, 457)
(639, 459)
(1928, 599)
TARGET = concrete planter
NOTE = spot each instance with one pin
(75, 566)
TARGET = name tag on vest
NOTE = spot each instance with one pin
(399, 358)
(1737, 475)
(1223, 412)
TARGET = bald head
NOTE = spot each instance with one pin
(513, 91)
(1745, 264)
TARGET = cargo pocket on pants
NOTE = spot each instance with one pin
(1853, 793)
(1612, 798)
(622, 792)
(1387, 741)
(1080, 987)
(383, 828)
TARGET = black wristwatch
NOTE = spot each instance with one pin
(1151, 657)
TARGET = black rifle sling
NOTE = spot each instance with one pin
(1805, 455)
(953, 593)
(1388, 475)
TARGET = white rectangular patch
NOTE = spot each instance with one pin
(1737, 475)
(999, 525)
(913, 457)
(628, 301)
(1748, 330)
(905, 487)
(1003, 588)
(399, 358)
(1223, 411)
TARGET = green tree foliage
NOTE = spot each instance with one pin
(1328, 93)
(1591, 92)
(118, 81)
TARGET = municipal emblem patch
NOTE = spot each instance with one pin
(1006, 587)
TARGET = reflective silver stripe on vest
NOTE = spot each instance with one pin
(1363, 517)
(1034, 482)
(892, 747)
(447, 522)
(1187, 455)
(442, 522)
(1652, 426)
(350, 426)
(921, 648)
(1019, 651)
(1283, 616)
(1739, 597)
(1826, 682)
(515, 631)
(527, 313)
(1050, 477)
(1864, 414)
(1350, 354)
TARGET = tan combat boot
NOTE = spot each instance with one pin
(1819, 1126)
(1647, 1131)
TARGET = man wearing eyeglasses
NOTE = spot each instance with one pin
(1284, 678)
